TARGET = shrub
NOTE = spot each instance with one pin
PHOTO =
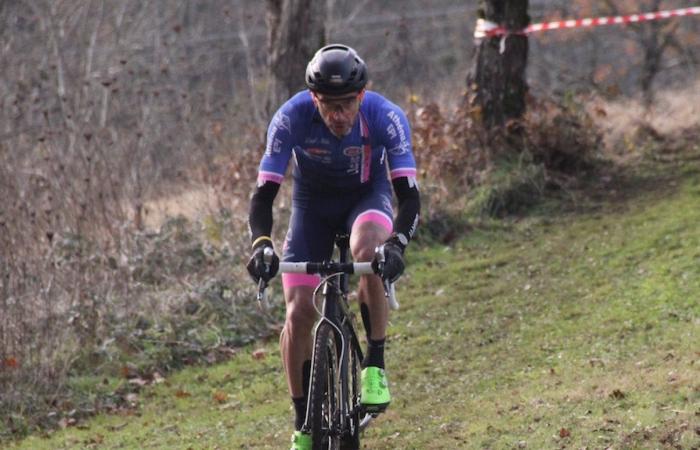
(505, 170)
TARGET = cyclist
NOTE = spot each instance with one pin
(341, 138)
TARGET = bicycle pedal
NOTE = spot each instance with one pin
(375, 410)
(366, 420)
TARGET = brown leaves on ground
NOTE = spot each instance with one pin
(219, 397)
(617, 394)
(181, 393)
(9, 363)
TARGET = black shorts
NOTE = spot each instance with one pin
(316, 218)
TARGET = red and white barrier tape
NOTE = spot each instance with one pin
(484, 28)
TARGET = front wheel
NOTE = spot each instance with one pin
(325, 390)
(351, 441)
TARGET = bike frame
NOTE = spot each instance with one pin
(336, 313)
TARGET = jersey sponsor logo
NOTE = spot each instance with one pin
(352, 152)
(391, 131)
(321, 155)
(282, 122)
(317, 151)
(395, 129)
(316, 141)
(386, 203)
(274, 145)
(355, 155)
(400, 150)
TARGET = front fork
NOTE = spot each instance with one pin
(329, 314)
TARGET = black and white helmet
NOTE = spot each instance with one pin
(336, 69)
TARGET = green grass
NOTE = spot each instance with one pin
(580, 330)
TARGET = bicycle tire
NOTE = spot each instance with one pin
(352, 440)
(325, 390)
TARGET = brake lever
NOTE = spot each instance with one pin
(381, 259)
(262, 295)
(389, 290)
(262, 284)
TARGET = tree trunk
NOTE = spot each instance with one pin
(496, 81)
(295, 31)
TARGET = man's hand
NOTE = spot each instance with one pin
(393, 265)
(258, 268)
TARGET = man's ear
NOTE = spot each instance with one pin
(361, 95)
(313, 97)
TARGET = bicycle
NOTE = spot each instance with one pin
(334, 414)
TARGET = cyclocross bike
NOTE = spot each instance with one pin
(334, 415)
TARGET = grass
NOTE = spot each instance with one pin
(576, 330)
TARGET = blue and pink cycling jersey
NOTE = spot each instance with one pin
(338, 182)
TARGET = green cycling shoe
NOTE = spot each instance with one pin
(301, 441)
(375, 395)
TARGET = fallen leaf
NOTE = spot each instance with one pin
(138, 381)
(11, 362)
(259, 354)
(220, 396)
(180, 393)
(97, 439)
(229, 405)
(126, 371)
(617, 394)
(202, 378)
(67, 422)
(564, 433)
(117, 427)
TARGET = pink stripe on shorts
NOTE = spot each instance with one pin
(376, 216)
(290, 280)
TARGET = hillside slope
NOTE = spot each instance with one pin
(573, 330)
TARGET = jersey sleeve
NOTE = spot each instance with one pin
(397, 141)
(278, 149)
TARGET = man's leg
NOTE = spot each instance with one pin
(364, 239)
(296, 342)
(366, 235)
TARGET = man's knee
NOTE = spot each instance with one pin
(300, 315)
(364, 253)
(365, 240)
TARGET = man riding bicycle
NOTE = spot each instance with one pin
(347, 143)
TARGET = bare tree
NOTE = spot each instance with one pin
(496, 80)
(655, 38)
(296, 29)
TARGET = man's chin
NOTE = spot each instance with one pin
(340, 131)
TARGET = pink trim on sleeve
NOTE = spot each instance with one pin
(269, 176)
(405, 172)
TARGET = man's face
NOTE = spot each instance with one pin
(338, 111)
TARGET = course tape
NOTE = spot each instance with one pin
(485, 28)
